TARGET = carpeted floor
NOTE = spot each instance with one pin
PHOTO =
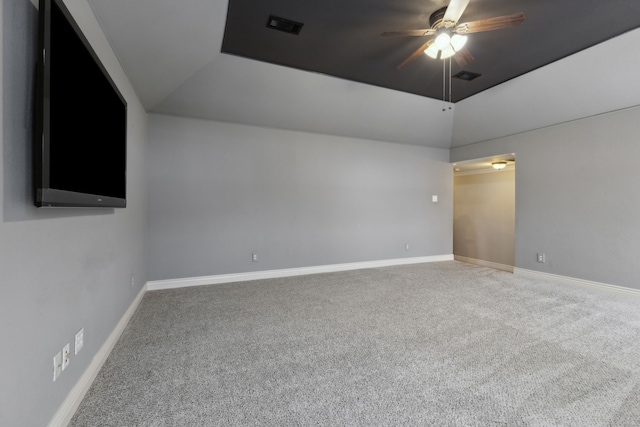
(438, 344)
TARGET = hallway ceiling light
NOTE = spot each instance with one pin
(499, 165)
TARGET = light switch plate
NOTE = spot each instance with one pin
(79, 341)
(57, 365)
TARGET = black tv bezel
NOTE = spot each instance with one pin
(44, 195)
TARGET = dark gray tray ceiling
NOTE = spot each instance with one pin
(341, 38)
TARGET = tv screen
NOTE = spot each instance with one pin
(80, 140)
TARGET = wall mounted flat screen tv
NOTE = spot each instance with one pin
(80, 136)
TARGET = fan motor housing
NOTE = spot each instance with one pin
(435, 20)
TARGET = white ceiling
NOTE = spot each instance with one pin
(170, 52)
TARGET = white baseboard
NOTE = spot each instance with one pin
(483, 263)
(288, 272)
(620, 290)
(65, 412)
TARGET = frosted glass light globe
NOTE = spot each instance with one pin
(442, 41)
(458, 41)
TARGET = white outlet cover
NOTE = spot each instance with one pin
(434, 198)
(66, 356)
(57, 365)
(79, 341)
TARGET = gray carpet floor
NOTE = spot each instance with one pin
(438, 344)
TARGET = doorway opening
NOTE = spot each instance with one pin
(484, 212)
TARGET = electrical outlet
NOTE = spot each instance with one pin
(79, 341)
(57, 365)
(541, 258)
(66, 356)
(254, 257)
(406, 247)
(133, 281)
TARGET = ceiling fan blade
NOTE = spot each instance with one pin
(416, 54)
(454, 11)
(490, 24)
(409, 33)
(463, 57)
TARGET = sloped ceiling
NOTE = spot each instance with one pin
(172, 54)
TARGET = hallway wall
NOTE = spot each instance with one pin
(484, 217)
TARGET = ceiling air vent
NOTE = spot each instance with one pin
(285, 25)
(466, 75)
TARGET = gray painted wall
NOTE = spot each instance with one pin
(60, 269)
(220, 191)
(484, 216)
(577, 197)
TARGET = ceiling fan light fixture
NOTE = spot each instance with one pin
(447, 52)
(432, 51)
(442, 41)
(445, 45)
(458, 42)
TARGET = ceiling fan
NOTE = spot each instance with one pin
(451, 36)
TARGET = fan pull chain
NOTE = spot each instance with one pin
(450, 83)
(444, 84)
